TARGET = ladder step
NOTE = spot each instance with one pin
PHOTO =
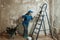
(36, 28)
(39, 19)
(38, 24)
(35, 32)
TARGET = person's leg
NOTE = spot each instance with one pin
(25, 31)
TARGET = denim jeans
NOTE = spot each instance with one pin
(25, 30)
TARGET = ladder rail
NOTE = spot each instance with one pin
(42, 21)
(37, 21)
(48, 19)
(49, 25)
(34, 27)
(35, 24)
(44, 28)
(40, 27)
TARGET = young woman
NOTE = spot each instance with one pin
(27, 17)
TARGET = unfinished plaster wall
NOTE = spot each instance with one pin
(11, 10)
(55, 18)
(8, 9)
(57, 15)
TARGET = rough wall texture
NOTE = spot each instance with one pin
(11, 10)
(57, 14)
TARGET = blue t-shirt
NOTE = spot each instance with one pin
(27, 19)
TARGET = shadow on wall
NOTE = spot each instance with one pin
(56, 35)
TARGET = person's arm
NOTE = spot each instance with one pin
(20, 19)
(32, 18)
(23, 16)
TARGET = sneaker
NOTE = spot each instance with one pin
(26, 36)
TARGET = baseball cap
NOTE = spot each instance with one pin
(30, 11)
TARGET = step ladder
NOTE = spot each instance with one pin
(40, 19)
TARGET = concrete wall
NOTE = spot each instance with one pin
(55, 17)
(56, 13)
(11, 10)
